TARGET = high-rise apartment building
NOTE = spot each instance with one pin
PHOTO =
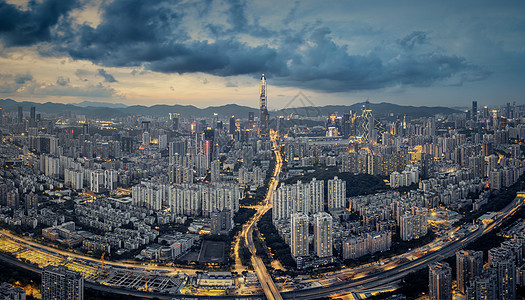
(468, 266)
(336, 194)
(215, 171)
(323, 234)
(483, 287)
(316, 193)
(412, 226)
(299, 230)
(60, 283)
(502, 261)
(440, 281)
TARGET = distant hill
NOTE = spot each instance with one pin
(109, 110)
(382, 110)
(100, 104)
(92, 109)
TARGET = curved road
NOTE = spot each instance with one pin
(54, 251)
(383, 276)
(265, 279)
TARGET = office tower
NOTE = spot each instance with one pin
(336, 194)
(232, 125)
(323, 234)
(299, 230)
(20, 116)
(210, 147)
(32, 118)
(468, 266)
(474, 112)
(483, 287)
(367, 124)
(60, 283)
(439, 281)
(264, 120)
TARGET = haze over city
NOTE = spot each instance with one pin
(206, 53)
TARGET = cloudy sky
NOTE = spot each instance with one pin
(209, 52)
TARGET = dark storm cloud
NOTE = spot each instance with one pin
(325, 66)
(23, 78)
(10, 83)
(107, 77)
(26, 27)
(62, 81)
(416, 37)
(152, 35)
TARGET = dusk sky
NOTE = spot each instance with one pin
(437, 53)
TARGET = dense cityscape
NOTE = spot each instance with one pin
(251, 150)
(265, 205)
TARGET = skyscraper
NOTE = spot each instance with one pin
(440, 281)
(366, 129)
(20, 116)
(209, 143)
(232, 125)
(299, 228)
(502, 261)
(323, 234)
(336, 194)
(483, 287)
(32, 118)
(474, 112)
(265, 117)
(60, 283)
(468, 266)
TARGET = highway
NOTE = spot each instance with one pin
(93, 261)
(122, 291)
(270, 290)
(392, 272)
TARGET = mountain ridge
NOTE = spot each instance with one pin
(382, 109)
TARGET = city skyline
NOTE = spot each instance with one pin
(171, 205)
(262, 150)
(212, 53)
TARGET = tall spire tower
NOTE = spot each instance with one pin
(265, 117)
